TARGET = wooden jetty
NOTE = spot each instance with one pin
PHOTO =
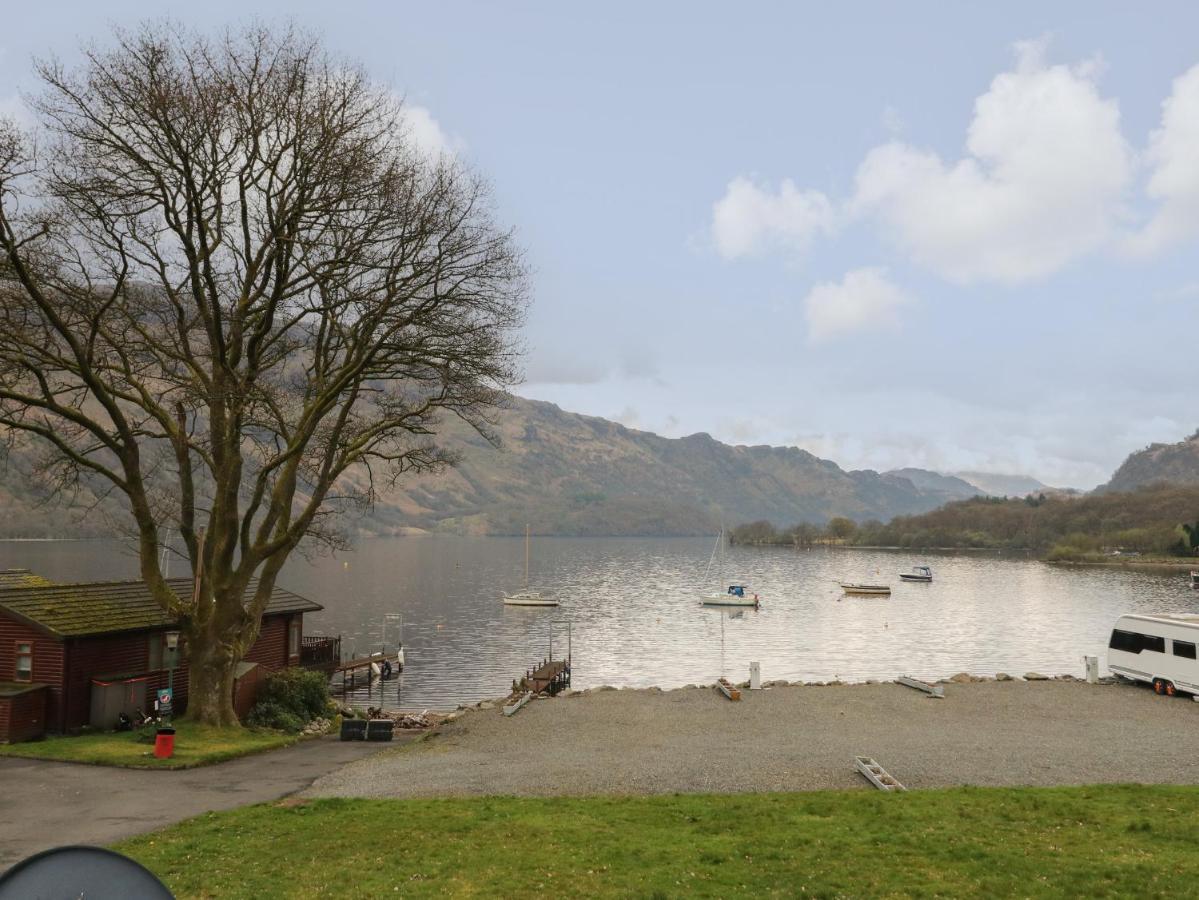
(551, 676)
(351, 668)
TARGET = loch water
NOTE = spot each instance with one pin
(631, 610)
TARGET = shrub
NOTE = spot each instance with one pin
(298, 692)
(274, 715)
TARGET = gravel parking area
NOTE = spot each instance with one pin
(793, 739)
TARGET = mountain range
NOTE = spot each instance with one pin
(564, 473)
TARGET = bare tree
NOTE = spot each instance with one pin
(235, 295)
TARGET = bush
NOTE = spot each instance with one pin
(274, 715)
(299, 694)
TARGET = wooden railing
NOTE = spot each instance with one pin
(320, 653)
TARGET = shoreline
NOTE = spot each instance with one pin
(1181, 564)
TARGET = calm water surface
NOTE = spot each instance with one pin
(635, 619)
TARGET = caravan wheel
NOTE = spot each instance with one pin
(1170, 689)
(1159, 686)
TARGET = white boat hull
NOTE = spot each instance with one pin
(726, 600)
(528, 600)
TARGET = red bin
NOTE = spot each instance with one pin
(164, 743)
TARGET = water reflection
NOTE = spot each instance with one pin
(636, 620)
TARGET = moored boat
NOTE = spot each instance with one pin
(526, 597)
(736, 595)
(529, 598)
(1195, 580)
(918, 573)
(852, 588)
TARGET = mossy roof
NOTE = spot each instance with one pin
(21, 578)
(77, 610)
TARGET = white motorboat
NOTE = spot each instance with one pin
(525, 596)
(918, 573)
(1195, 580)
(853, 588)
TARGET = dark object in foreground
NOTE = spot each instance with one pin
(353, 729)
(379, 729)
(80, 871)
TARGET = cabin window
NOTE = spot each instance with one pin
(1153, 642)
(1134, 642)
(154, 644)
(293, 638)
(1128, 641)
(24, 670)
(1185, 649)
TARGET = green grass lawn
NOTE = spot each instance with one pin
(195, 745)
(1100, 841)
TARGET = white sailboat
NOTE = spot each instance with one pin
(526, 597)
(737, 593)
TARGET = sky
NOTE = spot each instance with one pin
(954, 236)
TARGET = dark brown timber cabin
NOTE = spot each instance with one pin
(62, 645)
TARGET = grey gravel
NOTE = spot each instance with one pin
(793, 739)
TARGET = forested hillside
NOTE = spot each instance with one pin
(1158, 519)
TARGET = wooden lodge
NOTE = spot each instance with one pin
(77, 654)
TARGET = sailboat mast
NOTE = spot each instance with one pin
(715, 550)
(526, 555)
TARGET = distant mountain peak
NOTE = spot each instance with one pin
(1176, 463)
(998, 484)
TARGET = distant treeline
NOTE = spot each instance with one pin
(1158, 520)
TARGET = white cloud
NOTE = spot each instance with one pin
(427, 133)
(1173, 157)
(864, 299)
(1043, 182)
(751, 219)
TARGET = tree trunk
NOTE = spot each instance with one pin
(210, 681)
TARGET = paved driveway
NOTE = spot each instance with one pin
(48, 804)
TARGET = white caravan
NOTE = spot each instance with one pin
(1159, 650)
